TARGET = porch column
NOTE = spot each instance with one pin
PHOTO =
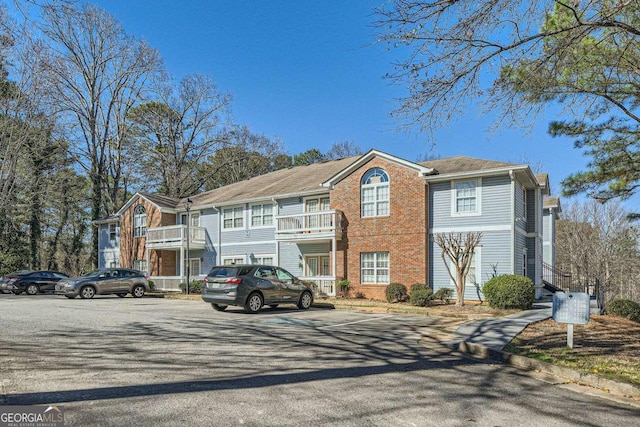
(181, 262)
(334, 263)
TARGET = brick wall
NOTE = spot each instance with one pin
(403, 233)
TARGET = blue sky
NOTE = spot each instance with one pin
(307, 72)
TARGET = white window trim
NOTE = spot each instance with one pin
(376, 201)
(273, 216)
(454, 204)
(228, 257)
(376, 269)
(115, 232)
(191, 272)
(265, 256)
(232, 208)
(316, 255)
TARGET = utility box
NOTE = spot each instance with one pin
(571, 307)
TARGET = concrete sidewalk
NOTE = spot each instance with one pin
(487, 338)
(496, 332)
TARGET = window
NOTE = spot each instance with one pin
(140, 264)
(262, 215)
(374, 267)
(465, 197)
(194, 267)
(231, 260)
(139, 221)
(233, 218)
(317, 265)
(374, 193)
(263, 259)
(112, 233)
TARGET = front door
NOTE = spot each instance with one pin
(317, 265)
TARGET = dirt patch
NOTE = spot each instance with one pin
(607, 346)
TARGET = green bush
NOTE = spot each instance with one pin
(509, 291)
(194, 288)
(396, 292)
(624, 308)
(152, 285)
(443, 294)
(421, 297)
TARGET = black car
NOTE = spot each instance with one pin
(252, 286)
(32, 282)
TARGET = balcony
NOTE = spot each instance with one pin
(309, 226)
(175, 237)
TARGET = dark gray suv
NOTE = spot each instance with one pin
(118, 281)
(253, 286)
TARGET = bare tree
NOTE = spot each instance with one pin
(342, 149)
(596, 241)
(96, 73)
(457, 254)
(178, 131)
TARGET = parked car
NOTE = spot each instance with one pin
(31, 282)
(118, 281)
(253, 286)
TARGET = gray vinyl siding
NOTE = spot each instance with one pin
(495, 250)
(495, 245)
(531, 211)
(108, 250)
(290, 206)
(290, 258)
(495, 205)
(520, 244)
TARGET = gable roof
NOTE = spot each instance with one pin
(420, 169)
(162, 202)
(294, 181)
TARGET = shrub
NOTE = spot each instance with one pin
(443, 294)
(509, 291)
(194, 288)
(343, 287)
(152, 285)
(396, 292)
(421, 297)
(624, 308)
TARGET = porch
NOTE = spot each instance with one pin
(175, 237)
(309, 226)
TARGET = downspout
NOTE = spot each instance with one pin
(513, 221)
(218, 259)
(274, 201)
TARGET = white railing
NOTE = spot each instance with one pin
(176, 234)
(324, 285)
(171, 283)
(310, 224)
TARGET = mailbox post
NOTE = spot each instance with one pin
(571, 308)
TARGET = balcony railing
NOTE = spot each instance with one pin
(175, 236)
(309, 226)
(323, 285)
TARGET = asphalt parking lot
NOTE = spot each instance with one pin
(151, 362)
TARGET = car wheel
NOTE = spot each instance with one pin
(87, 292)
(137, 291)
(122, 295)
(306, 299)
(273, 305)
(254, 303)
(32, 289)
(219, 307)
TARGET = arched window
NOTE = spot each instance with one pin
(139, 221)
(374, 193)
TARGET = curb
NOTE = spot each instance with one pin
(529, 364)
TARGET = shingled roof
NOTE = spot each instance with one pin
(162, 201)
(459, 164)
(294, 180)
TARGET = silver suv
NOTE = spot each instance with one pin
(118, 281)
